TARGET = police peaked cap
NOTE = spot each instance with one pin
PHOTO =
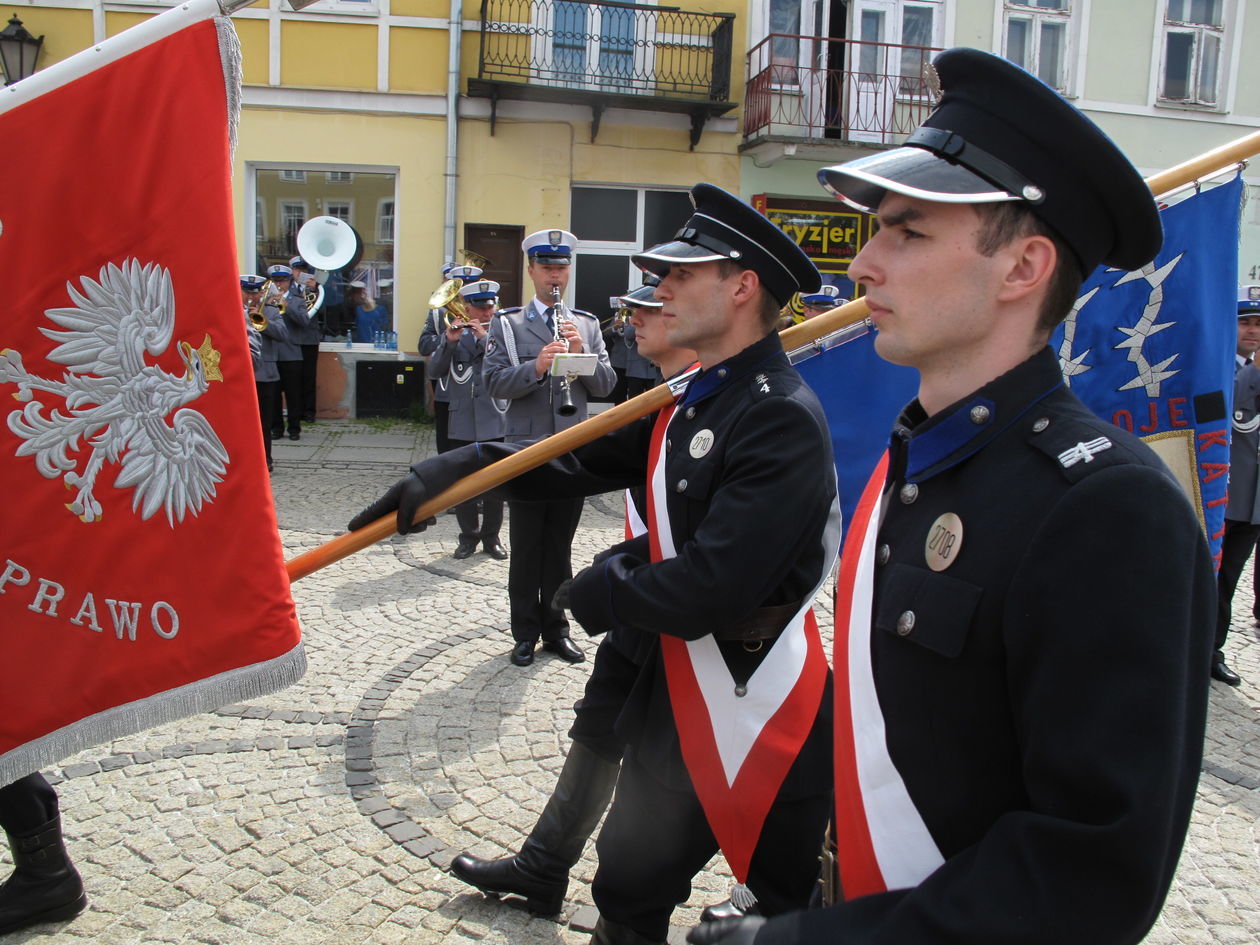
(724, 227)
(1000, 134)
(642, 297)
(1248, 300)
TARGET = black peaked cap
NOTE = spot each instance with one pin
(724, 227)
(1001, 134)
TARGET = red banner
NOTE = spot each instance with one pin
(141, 573)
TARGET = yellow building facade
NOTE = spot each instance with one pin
(345, 113)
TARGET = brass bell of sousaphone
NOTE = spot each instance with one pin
(328, 243)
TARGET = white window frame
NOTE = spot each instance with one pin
(260, 219)
(382, 235)
(282, 217)
(349, 7)
(346, 204)
(338, 177)
(542, 47)
(623, 248)
(291, 175)
(1069, 17)
(1225, 36)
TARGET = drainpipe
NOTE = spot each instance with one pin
(452, 129)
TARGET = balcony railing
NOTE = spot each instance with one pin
(605, 54)
(618, 48)
(816, 87)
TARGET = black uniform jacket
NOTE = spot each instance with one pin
(1045, 706)
(750, 482)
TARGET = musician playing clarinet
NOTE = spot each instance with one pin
(523, 343)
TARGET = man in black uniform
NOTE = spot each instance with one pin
(727, 726)
(44, 886)
(540, 872)
(1025, 601)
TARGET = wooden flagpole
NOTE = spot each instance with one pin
(650, 401)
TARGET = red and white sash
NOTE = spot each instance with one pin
(738, 749)
(881, 840)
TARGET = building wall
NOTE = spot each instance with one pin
(1115, 57)
(335, 90)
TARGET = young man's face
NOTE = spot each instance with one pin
(546, 275)
(930, 290)
(1248, 335)
(649, 332)
(695, 306)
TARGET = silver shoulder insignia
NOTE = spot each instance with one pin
(763, 383)
(1084, 452)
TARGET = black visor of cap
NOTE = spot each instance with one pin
(913, 172)
(658, 259)
(642, 297)
(1000, 134)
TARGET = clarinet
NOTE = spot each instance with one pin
(560, 317)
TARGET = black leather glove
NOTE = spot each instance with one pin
(727, 931)
(560, 600)
(405, 496)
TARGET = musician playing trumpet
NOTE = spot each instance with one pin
(522, 345)
(474, 416)
(266, 331)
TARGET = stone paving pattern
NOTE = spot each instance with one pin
(329, 812)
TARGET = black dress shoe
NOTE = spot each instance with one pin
(465, 548)
(1222, 673)
(522, 654)
(277, 434)
(507, 877)
(725, 910)
(566, 649)
(495, 550)
(295, 436)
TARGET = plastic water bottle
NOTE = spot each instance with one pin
(349, 340)
(393, 341)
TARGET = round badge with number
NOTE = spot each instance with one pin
(943, 542)
(701, 443)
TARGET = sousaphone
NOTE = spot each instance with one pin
(328, 243)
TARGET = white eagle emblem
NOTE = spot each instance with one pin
(116, 405)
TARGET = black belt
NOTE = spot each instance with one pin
(764, 623)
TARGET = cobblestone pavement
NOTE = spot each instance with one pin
(329, 812)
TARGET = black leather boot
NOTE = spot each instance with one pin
(45, 886)
(540, 872)
(612, 933)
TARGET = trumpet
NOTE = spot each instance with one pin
(446, 297)
(254, 315)
(560, 317)
(270, 295)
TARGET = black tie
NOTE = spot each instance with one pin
(551, 325)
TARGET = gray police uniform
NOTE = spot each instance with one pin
(307, 337)
(430, 335)
(289, 361)
(264, 350)
(641, 374)
(1242, 513)
(541, 532)
(474, 417)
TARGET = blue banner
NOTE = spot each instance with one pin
(1153, 350)
(862, 395)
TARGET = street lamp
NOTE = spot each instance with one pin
(18, 51)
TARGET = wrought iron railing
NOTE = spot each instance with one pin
(608, 47)
(816, 87)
